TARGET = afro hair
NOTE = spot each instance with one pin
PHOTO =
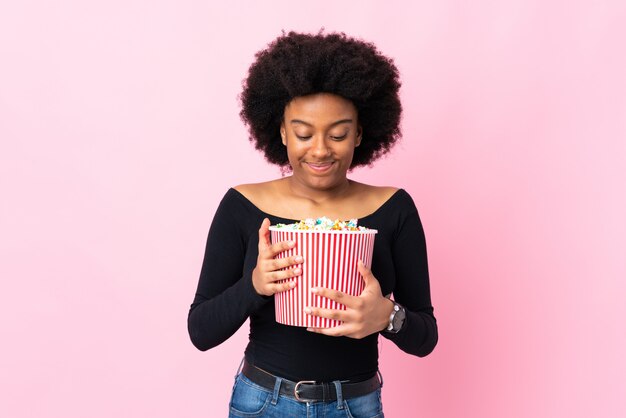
(297, 64)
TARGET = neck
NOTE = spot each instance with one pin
(317, 195)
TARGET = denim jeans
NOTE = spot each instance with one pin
(251, 400)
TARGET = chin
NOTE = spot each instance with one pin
(321, 183)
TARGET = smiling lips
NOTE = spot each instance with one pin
(320, 167)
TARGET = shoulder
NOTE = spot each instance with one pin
(255, 191)
(238, 201)
(401, 201)
(373, 196)
(237, 211)
(393, 205)
(258, 193)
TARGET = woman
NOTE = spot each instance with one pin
(317, 106)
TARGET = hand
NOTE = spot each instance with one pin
(364, 314)
(267, 272)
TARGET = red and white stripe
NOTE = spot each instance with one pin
(330, 260)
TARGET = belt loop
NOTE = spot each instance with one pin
(339, 395)
(276, 390)
(239, 368)
(380, 376)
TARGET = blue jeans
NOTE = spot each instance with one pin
(251, 400)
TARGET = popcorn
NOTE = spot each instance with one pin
(322, 224)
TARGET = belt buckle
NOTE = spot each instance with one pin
(295, 389)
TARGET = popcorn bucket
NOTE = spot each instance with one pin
(331, 261)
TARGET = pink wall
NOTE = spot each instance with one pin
(120, 133)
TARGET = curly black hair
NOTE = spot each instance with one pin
(297, 64)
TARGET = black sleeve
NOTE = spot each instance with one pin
(225, 296)
(418, 335)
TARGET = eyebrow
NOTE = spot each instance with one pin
(332, 124)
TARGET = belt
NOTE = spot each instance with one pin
(310, 390)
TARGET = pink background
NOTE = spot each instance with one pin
(120, 133)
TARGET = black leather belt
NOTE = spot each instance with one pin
(309, 390)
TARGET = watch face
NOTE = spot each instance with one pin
(398, 319)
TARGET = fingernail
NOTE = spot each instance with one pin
(297, 271)
(291, 243)
(314, 290)
(298, 259)
(307, 310)
(292, 284)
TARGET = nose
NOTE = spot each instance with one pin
(319, 147)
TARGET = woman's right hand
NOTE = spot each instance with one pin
(267, 272)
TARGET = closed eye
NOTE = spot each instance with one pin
(339, 138)
(303, 138)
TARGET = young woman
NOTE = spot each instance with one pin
(317, 106)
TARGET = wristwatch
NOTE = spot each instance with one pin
(396, 319)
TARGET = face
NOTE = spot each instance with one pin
(320, 132)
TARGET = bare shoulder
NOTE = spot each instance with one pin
(375, 192)
(373, 196)
(385, 192)
(258, 193)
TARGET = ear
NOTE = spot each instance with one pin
(283, 134)
(359, 136)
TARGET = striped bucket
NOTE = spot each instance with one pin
(330, 260)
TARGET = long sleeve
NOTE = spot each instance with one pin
(418, 335)
(225, 296)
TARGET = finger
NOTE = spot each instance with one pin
(371, 284)
(282, 287)
(278, 275)
(275, 249)
(264, 234)
(338, 331)
(365, 272)
(281, 263)
(337, 296)
(326, 313)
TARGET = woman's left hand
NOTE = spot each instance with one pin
(364, 314)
